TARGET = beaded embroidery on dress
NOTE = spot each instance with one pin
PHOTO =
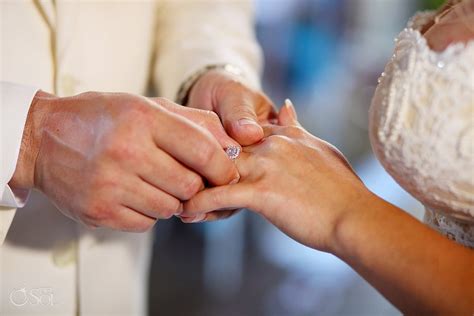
(422, 128)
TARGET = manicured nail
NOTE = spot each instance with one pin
(198, 218)
(246, 121)
(289, 105)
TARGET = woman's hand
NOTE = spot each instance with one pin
(298, 182)
(305, 187)
(454, 23)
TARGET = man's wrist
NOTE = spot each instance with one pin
(185, 89)
(24, 175)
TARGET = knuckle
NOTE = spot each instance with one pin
(212, 119)
(268, 164)
(204, 153)
(144, 225)
(191, 186)
(216, 199)
(244, 110)
(163, 101)
(263, 161)
(278, 142)
(164, 208)
(91, 95)
(293, 131)
(172, 207)
(120, 150)
(101, 180)
(139, 115)
(96, 212)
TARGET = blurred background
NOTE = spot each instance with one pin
(326, 55)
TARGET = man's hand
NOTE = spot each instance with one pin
(300, 183)
(204, 118)
(119, 160)
(240, 108)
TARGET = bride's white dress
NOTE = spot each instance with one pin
(422, 128)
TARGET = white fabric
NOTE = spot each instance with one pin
(100, 46)
(422, 125)
(15, 102)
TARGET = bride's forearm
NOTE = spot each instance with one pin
(414, 267)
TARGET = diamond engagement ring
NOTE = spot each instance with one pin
(233, 152)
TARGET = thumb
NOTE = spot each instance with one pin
(240, 120)
(287, 115)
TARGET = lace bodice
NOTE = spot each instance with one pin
(422, 128)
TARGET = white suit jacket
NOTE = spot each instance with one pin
(49, 264)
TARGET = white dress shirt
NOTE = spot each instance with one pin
(49, 265)
(15, 102)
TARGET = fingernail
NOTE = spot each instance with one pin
(198, 218)
(246, 121)
(289, 105)
(236, 180)
(179, 210)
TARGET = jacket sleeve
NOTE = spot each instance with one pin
(194, 34)
(15, 102)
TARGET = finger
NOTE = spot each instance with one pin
(151, 201)
(269, 130)
(196, 148)
(207, 119)
(237, 112)
(452, 26)
(220, 198)
(209, 217)
(265, 109)
(126, 219)
(287, 115)
(444, 10)
(165, 173)
(245, 163)
(212, 123)
(219, 215)
(445, 7)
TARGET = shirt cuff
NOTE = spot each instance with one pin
(15, 101)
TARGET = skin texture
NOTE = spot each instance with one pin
(242, 110)
(306, 188)
(312, 169)
(455, 25)
(119, 160)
